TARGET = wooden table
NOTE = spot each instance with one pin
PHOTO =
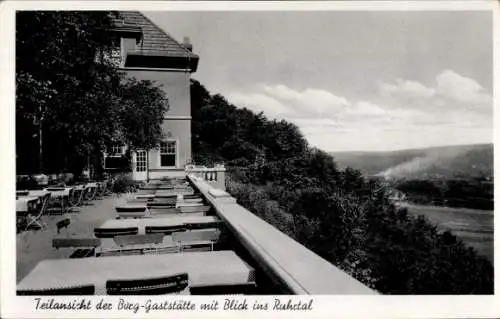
(91, 185)
(40, 193)
(23, 203)
(203, 268)
(58, 192)
(142, 223)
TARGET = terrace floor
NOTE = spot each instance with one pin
(33, 246)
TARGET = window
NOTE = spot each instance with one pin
(168, 154)
(114, 158)
(116, 150)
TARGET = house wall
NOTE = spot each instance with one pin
(180, 131)
(177, 122)
(174, 83)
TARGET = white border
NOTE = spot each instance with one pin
(324, 306)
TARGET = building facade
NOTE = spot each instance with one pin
(146, 52)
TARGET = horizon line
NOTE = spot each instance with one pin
(407, 149)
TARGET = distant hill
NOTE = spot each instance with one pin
(436, 162)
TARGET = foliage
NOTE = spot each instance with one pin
(123, 183)
(142, 106)
(338, 214)
(70, 98)
(471, 193)
(26, 182)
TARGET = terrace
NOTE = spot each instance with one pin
(184, 236)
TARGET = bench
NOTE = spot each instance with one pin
(113, 232)
(151, 286)
(85, 290)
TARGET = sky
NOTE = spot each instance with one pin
(351, 80)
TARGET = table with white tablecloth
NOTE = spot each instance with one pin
(203, 268)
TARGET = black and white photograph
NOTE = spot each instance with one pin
(250, 153)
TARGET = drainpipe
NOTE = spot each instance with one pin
(147, 165)
(40, 160)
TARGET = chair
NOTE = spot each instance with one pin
(63, 224)
(113, 232)
(214, 224)
(227, 289)
(100, 189)
(131, 209)
(194, 209)
(125, 240)
(196, 240)
(158, 211)
(59, 201)
(108, 187)
(22, 193)
(191, 196)
(91, 193)
(138, 200)
(86, 246)
(166, 230)
(146, 191)
(84, 290)
(152, 286)
(162, 202)
(193, 200)
(131, 215)
(55, 189)
(144, 244)
(77, 196)
(38, 218)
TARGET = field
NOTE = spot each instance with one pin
(474, 227)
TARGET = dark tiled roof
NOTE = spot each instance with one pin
(154, 39)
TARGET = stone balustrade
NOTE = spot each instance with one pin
(216, 175)
(289, 264)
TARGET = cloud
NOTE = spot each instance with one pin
(259, 102)
(314, 101)
(403, 114)
(405, 88)
(450, 87)
(461, 89)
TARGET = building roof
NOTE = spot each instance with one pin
(154, 40)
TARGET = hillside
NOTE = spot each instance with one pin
(338, 214)
(436, 162)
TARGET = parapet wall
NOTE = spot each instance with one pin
(284, 260)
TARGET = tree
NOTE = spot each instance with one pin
(141, 115)
(55, 54)
(70, 98)
(344, 217)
